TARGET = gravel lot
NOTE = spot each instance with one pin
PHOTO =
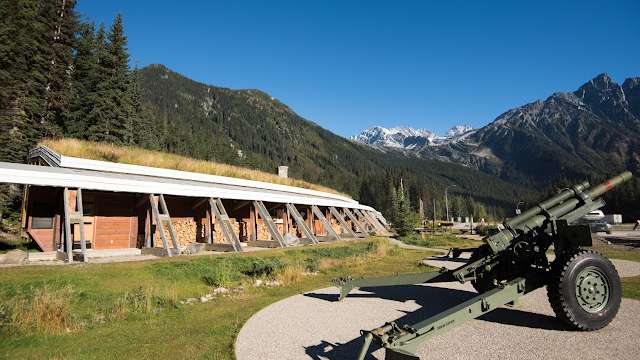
(315, 326)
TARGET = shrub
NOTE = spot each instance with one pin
(47, 311)
(291, 274)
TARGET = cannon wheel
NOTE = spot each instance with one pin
(584, 290)
(482, 283)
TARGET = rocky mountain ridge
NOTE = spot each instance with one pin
(404, 137)
(593, 130)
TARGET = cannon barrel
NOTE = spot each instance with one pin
(609, 184)
(565, 210)
(562, 196)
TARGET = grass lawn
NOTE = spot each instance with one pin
(133, 310)
(441, 241)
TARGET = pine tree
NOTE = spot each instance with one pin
(22, 80)
(404, 219)
(111, 119)
(85, 81)
(59, 21)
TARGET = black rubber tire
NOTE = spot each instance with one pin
(561, 290)
(484, 283)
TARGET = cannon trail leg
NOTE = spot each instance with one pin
(401, 342)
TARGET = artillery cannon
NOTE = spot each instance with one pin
(583, 286)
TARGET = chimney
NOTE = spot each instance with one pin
(283, 171)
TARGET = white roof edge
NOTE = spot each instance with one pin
(106, 166)
(118, 182)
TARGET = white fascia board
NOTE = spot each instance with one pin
(94, 180)
(86, 164)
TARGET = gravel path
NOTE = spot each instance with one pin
(315, 326)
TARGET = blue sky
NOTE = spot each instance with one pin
(349, 65)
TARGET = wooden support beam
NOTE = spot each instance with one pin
(382, 220)
(365, 221)
(67, 226)
(302, 225)
(219, 213)
(380, 230)
(325, 223)
(271, 226)
(158, 222)
(310, 219)
(253, 225)
(172, 232)
(376, 222)
(359, 227)
(208, 227)
(148, 223)
(343, 224)
(79, 208)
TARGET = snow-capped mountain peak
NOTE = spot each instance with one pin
(406, 137)
(458, 130)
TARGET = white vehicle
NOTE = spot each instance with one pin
(594, 215)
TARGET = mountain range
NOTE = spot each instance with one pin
(404, 137)
(593, 130)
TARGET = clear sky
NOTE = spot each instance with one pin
(349, 65)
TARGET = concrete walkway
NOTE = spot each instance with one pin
(315, 326)
(402, 245)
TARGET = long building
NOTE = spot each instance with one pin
(76, 207)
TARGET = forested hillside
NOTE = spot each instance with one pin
(249, 127)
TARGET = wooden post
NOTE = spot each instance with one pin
(147, 227)
(302, 225)
(310, 220)
(253, 224)
(172, 232)
(208, 225)
(158, 221)
(67, 226)
(325, 223)
(83, 246)
(268, 221)
(345, 227)
(359, 227)
(286, 220)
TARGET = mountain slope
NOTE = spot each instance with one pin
(591, 130)
(594, 130)
(250, 128)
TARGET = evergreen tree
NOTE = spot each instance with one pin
(22, 80)
(404, 219)
(111, 119)
(85, 80)
(59, 21)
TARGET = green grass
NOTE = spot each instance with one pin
(442, 241)
(132, 310)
